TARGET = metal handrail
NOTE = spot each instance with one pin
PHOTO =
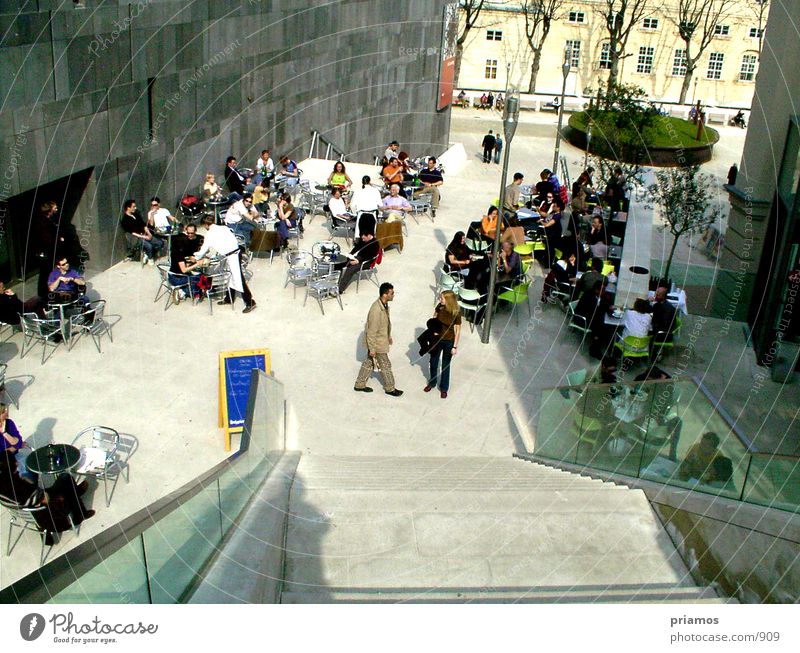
(316, 139)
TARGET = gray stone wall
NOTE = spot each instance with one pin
(155, 93)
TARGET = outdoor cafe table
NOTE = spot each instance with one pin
(52, 460)
(61, 303)
(216, 205)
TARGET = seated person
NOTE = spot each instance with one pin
(564, 270)
(391, 152)
(593, 307)
(211, 189)
(182, 262)
(287, 218)
(264, 169)
(133, 224)
(514, 233)
(338, 207)
(638, 320)
(663, 316)
(598, 241)
(241, 218)
(62, 498)
(10, 439)
(234, 180)
(431, 178)
(339, 178)
(392, 172)
(64, 283)
(290, 170)
(160, 218)
(588, 279)
(698, 461)
(456, 256)
(11, 307)
(361, 257)
(261, 197)
(489, 223)
(409, 170)
(395, 205)
(509, 265)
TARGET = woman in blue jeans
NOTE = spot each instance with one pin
(449, 315)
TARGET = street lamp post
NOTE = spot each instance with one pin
(565, 72)
(510, 120)
(588, 143)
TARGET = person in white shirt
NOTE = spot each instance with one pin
(638, 320)
(241, 218)
(264, 167)
(392, 151)
(366, 199)
(223, 241)
(337, 206)
(159, 217)
(395, 205)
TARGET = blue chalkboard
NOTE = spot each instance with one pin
(236, 369)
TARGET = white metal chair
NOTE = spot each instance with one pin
(167, 287)
(577, 322)
(99, 457)
(471, 301)
(220, 289)
(24, 518)
(3, 389)
(324, 287)
(370, 270)
(92, 321)
(48, 332)
(300, 268)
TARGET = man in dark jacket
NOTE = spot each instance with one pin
(488, 144)
(360, 257)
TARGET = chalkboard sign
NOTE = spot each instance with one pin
(235, 372)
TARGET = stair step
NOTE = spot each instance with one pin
(517, 595)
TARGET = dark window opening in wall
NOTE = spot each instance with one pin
(151, 81)
(30, 241)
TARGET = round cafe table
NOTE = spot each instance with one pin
(52, 460)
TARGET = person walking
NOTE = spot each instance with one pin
(488, 144)
(378, 332)
(448, 314)
(498, 148)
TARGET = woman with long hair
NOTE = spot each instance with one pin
(339, 178)
(489, 222)
(448, 314)
(456, 256)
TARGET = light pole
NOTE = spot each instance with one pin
(510, 120)
(565, 72)
(588, 143)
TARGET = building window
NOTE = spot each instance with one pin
(748, 70)
(679, 63)
(715, 65)
(574, 56)
(644, 64)
(722, 30)
(605, 57)
(491, 69)
(494, 35)
(756, 33)
(576, 17)
(650, 23)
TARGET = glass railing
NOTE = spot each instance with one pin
(667, 431)
(158, 554)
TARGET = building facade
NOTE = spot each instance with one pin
(107, 101)
(759, 276)
(497, 52)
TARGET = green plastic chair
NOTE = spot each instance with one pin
(517, 295)
(668, 344)
(577, 322)
(471, 301)
(608, 268)
(634, 346)
(526, 249)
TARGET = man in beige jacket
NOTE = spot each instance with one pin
(378, 331)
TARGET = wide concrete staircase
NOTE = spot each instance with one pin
(380, 529)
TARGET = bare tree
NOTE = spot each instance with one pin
(697, 22)
(539, 14)
(760, 9)
(620, 17)
(472, 11)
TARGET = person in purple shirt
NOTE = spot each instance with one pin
(10, 439)
(395, 205)
(63, 281)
